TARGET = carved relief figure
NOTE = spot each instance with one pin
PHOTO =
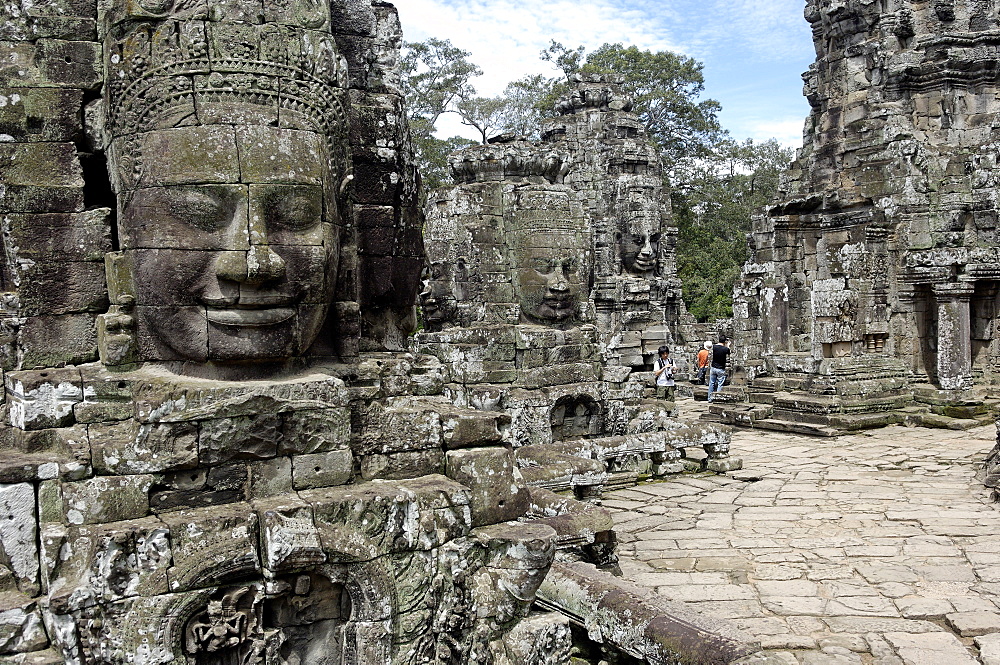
(551, 259)
(231, 232)
(437, 298)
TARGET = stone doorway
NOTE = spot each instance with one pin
(983, 308)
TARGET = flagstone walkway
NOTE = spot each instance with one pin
(878, 548)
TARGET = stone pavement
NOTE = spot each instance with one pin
(875, 548)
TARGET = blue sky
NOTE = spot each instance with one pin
(754, 51)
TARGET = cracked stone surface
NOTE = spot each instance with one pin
(874, 548)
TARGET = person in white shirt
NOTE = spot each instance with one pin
(663, 371)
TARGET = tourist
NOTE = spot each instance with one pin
(663, 371)
(703, 358)
(717, 376)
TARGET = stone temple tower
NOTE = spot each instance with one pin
(873, 279)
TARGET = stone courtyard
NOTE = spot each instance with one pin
(872, 548)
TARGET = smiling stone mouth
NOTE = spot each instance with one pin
(249, 316)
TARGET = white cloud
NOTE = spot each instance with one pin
(788, 131)
(506, 36)
(742, 43)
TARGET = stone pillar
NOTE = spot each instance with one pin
(954, 334)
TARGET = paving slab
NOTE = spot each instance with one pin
(930, 649)
(974, 624)
(878, 548)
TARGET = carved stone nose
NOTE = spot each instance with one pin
(558, 281)
(257, 266)
(263, 265)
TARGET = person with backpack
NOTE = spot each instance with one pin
(663, 373)
(717, 375)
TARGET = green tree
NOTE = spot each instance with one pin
(666, 90)
(713, 212)
(436, 75)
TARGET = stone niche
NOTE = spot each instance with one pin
(550, 286)
(871, 283)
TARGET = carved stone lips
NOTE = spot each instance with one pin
(644, 264)
(266, 311)
(558, 303)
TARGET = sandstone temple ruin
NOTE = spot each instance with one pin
(224, 439)
(218, 444)
(871, 286)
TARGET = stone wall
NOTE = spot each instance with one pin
(210, 451)
(875, 270)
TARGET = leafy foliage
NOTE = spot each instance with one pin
(436, 76)
(713, 213)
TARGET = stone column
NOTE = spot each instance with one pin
(954, 335)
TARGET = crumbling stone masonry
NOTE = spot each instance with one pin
(552, 282)
(214, 447)
(873, 280)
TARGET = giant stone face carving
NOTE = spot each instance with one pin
(228, 155)
(551, 273)
(550, 255)
(238, 270)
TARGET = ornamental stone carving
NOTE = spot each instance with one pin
(847, 297)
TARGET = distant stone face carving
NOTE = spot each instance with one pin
(638, 206)
(552, 269)
(228, 156)
(640, 245)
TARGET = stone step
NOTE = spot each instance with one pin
(744, 415)
(853, 422)
(758, 397)
(811, 429)
(945, 422)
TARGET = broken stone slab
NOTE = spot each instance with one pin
(625, 616)
(398, 427)
(930, 648)
(989, 648)
(21, 628)
(496, 487)
(974, 624)
(403, 464)
(517, 557)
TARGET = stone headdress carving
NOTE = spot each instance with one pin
(175, 63)
(519, 160)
